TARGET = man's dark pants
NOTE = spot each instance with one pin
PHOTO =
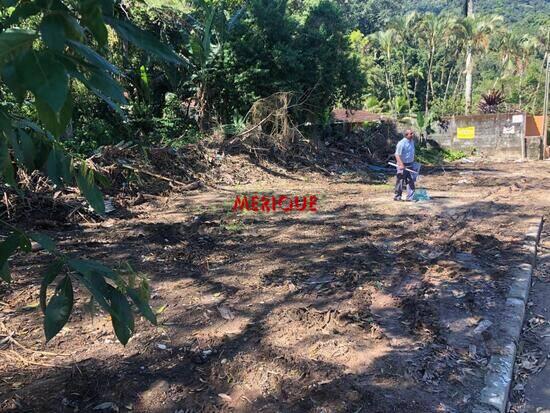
(405, 178)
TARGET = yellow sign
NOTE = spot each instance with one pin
(466, 133)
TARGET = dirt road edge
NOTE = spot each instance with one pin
(494, 396)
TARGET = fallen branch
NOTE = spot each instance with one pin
(313, 164)
(185, 186)
(26, 361)
(346, 153)
(251, 129)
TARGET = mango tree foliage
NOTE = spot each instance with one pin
(46, 48)
(269, 50)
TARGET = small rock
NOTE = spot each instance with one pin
(226, 313)
(482, 326)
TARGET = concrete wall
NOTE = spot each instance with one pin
(496, 136)
(534, 148)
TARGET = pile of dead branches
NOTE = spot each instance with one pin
(271, 129)
(132, 170)
(38, 202)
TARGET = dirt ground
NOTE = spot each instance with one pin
(366, 305)
(530, 389)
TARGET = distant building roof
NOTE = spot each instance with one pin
(355, 116)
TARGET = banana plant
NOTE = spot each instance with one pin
(202, 52)
(205, 44)
(422, 122)
(45, 47)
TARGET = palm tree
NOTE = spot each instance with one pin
(404, 34)
(543, 39)
(476, 33)
(453, 49)
(417, 74)
(386, 40)
(508, 48)
(528, 47)
(469, 13)
(432, 31)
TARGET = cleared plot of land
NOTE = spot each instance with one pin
(368, 305)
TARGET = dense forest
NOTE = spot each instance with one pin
(77, 75)
(512, 11)
(422, 48)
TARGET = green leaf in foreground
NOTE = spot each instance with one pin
(5, 272)
(86, 184)
(14, 241)
(10, 78)
(144, 40)
(45, 242)
(142, 305)
(15, 41)
(59, 308)
(93, 19)
(42, 74)
(52, 29)
(49, 276)
(56, 123)
(92, 268)
(58, 166)
(6, 166)
(122, 316)
(23, 149)
(93, 57)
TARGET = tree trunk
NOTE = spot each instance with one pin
(406, 82)
(468, 82)
(457, 84)
(428, 81)
(469, 11)
(469, 8)
(520, 89)
(388, 84)
(448, 83)
(521, 75)
(202, 109)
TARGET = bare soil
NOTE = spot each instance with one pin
(367, 305)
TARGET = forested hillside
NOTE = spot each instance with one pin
(511, 10)
(371, 15)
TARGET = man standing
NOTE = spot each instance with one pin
(404, 154)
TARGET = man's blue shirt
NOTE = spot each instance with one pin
(405, 149)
